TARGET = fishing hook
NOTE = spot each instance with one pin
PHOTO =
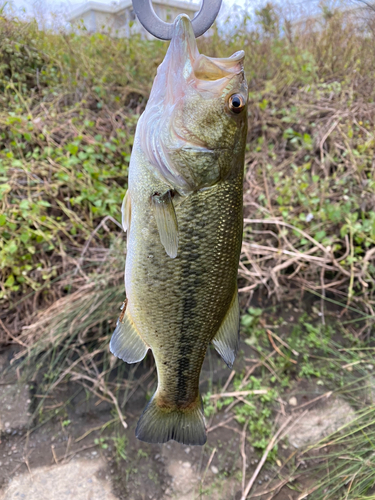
(160, 29)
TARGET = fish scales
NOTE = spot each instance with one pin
(195, 288)
(183, 214)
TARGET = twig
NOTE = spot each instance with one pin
(282, 342)
(242, 400)
(326, 395)
(93, 430)
(271, 444)
(351, 282)
(277, 487)
(248, 373)
(54, 454)
(324, 138)
(84, 448)
(243, 454)
(307, 493)
(323, 293)
(232, 374)
(208, 464)
(300, 255)
(18, 341)
(26, 460)
(102, 223)
(269, 333)
(238, 393)
(67, 447)
(105, 390)
(220, 424)
(349, 365)
(285, 224)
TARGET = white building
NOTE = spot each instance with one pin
(120, 19)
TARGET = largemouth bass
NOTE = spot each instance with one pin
(183, 216)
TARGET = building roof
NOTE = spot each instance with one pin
(124, 4)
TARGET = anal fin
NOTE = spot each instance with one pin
(227, 338)
(126, 342)
(166, 222)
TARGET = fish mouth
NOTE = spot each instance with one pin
(187, 63)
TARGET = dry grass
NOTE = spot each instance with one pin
(68, 114)
(68, 110)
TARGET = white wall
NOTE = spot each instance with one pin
(121, 23)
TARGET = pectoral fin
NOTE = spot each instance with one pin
(166, 222)
(227, 338)
(126, 342)
(126, 211)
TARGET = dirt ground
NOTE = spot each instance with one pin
(70, 456)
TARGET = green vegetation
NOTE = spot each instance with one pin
(347, 458)
(68, 109)
(69, 104)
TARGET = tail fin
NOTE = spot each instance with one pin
(159, 425)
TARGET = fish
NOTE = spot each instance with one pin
(183, 213)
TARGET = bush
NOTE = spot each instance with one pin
(69, 106)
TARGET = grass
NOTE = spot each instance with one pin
(69, 104)
(343, 462)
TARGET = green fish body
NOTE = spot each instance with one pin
(183, 215)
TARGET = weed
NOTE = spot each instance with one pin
(142, 454)
(120, 443)
(347, 459)
(69, 105)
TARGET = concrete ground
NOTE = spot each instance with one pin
(78, 480)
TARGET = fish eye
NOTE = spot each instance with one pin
(236, 103)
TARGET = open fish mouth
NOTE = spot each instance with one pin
(186, 63)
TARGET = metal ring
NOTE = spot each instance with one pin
(154, 25)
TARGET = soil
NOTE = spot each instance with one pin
(39, 453)
(144, 471)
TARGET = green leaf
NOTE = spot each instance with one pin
(10, 281)
(25, 237)
(72, 148)
(12, 247)
(255, 311)
(320, 235)
(44, 203)
(24, 205)
(4, 188)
